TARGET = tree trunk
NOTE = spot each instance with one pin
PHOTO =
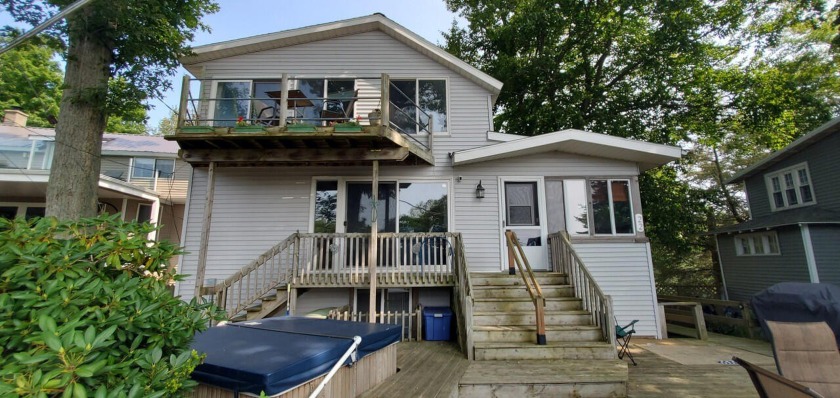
(74, 176)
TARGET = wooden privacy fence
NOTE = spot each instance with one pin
(411, 321)
(723, 316)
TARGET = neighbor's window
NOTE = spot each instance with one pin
(757, 244)
(147, 168)
(611, 207)
(144, 213)
(790, 187)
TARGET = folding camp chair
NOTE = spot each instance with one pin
(623, 336)
(771, 385)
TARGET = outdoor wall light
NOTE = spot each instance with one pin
(479, 190)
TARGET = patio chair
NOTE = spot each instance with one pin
(771, 385)
(337, 110)
(623, 334)
(806, 352)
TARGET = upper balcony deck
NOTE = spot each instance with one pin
(311, 121)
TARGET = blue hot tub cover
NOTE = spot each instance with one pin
(276, 354)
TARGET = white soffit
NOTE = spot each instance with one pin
(332, 30)
(647, 155)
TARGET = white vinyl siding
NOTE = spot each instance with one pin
(623, 272)
(369, 55)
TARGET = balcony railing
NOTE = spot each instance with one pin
(283, 102)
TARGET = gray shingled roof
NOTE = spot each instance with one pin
(802, 215)
(110, 142)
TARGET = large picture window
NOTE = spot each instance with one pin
(790, 187)
(416, 103)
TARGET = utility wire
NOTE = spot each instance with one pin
(44, 25)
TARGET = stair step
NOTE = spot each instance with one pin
(566, 378)
(578, 317)
(524, 304)
(521, 291)
(516, 333)
(495, 351)
(503, 279)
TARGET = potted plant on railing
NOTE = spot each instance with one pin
(243, 126)
(375, 117)
(298, 127)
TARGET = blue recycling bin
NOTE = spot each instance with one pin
(437, 323)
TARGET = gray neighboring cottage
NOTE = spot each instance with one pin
(793, 234)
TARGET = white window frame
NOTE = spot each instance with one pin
(211, 106)
(591, 209)
(780, 174)
(417, 101)
(154, 168)
(751, 239)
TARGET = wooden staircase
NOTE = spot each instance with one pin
(578, 360)
(268, 305)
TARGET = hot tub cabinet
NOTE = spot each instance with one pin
(289, 357)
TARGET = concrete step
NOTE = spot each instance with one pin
(529, 333)
(496, 351)
(558, 318)
(503, 279)
(520, 291)
(524, 304)
(566, 378)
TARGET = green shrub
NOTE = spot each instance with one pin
(86, 312)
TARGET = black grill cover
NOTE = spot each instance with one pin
(799, 302)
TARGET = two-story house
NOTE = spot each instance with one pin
(793, 234)
(141, 176)
(354, 162)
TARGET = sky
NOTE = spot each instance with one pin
(242, 18)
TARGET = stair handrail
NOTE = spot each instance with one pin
(256, 279)
(565, 259)
(463, 297)
(517, 255)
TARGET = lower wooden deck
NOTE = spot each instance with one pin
(667, 368)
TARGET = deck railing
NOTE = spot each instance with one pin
(517, 256)
(463, 303)
(282, 101)
(411, 322)
(340, 260)
(565, 259)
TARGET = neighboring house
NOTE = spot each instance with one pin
(793, 234)
(277, 182)
(141, 176)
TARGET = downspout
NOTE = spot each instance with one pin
(810, 260)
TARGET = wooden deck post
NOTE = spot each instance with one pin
(385, 100)
(205, 228)
(374, 229)
(511, 257)
(182, 111)
(284, 99)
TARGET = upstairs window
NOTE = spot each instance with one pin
(790, 187)
(417, 103)
(148, 168)
(757, 244)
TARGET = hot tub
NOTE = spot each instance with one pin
(290, 356)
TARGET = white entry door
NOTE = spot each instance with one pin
(523, 212)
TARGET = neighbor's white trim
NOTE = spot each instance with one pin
(720, 264)
(809, 253)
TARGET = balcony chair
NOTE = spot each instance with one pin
(623, 334)
(806, 352)
(339, 110)
(771, 385)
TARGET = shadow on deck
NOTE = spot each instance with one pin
(667, 368)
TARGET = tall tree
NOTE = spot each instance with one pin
(30, 78)
(138, 41)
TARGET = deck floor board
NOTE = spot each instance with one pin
(433, 369)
